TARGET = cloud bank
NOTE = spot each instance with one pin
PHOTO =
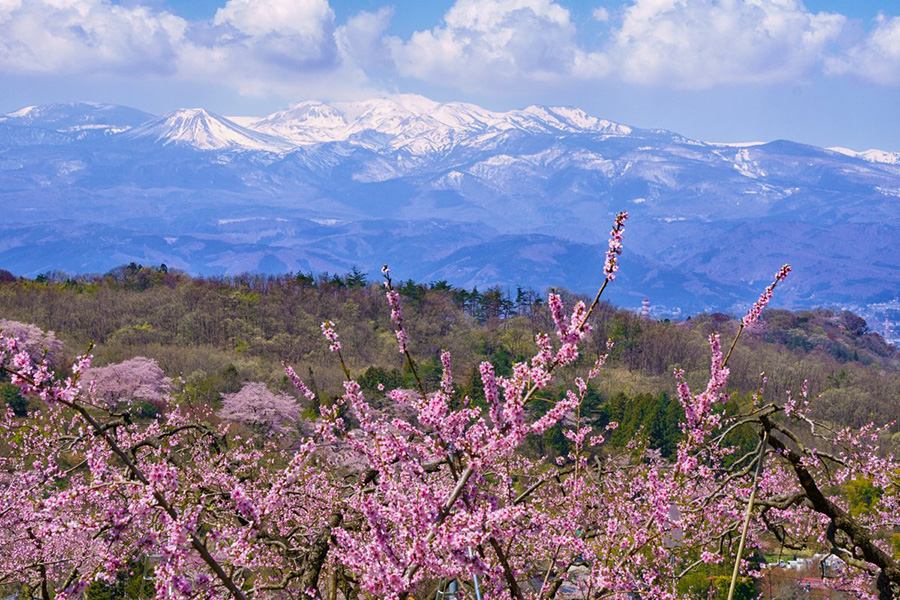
(295, 47)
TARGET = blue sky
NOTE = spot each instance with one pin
(825, 72)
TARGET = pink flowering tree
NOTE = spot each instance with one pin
(375, 505)
(129, 383)
(255, 406)
(32, 339)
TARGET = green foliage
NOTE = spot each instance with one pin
(430, 371)
(503, 360)
(655, 417)
(202, 389)
(745, 589)
(625, 334)
(553, 439)
(862, 496)
(745, 437)
(131, 584)
(836, 380)
(144, 410)
(473, 389)
(355, 278)
(712, 581)
(305, 280)
(374, 376)
(9, 396)
(694, 585)
(413, 292)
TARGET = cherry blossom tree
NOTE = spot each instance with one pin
(134, 381)
(444, 495)
(34, 340)
(256, 406)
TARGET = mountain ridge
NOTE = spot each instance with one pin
(373, 114)
(327, 186)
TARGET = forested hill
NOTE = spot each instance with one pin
(214, 334)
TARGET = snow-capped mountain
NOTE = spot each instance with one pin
(306, 123)
(78, 119)
(420, 126)
(872, 155)
(447, 190)
(203, 130)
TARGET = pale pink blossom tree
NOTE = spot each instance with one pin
(129, 383)
(34, 340)
(256, 406)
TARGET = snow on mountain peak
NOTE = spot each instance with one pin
(313, 112)
(399, 105)
(203, 130)
(412, 103)
(419, 125)
(871, 155)
(416, 125)
(563, 118)
(390, 115)
(77, 116)
(304, 123)
(18, 114)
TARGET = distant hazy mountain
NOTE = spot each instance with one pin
(78, 120)
(447, 191)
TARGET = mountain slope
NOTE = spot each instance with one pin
(203, 130)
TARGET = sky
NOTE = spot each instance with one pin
(824, 72)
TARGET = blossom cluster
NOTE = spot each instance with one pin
(393, 299)
(331, 335)
(755, 311)
(615, 246)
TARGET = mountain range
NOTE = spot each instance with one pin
(448, 191)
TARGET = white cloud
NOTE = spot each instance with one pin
(692, 44)
(705, 43)
(485, 42)
(363, 38)
(54, 36)
(306, 18)
(287, 33)
(295, 49)
(261, 47)
(877, 57)
(257, 46)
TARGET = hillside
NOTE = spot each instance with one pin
(215, 333)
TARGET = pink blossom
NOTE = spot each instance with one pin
(755, 311)
(417, 489)
(331, 335)
(615, 246)
(298, 383)
(33, 340)
(136, 380)
(256, 406)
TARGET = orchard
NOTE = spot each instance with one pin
(433, 494)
